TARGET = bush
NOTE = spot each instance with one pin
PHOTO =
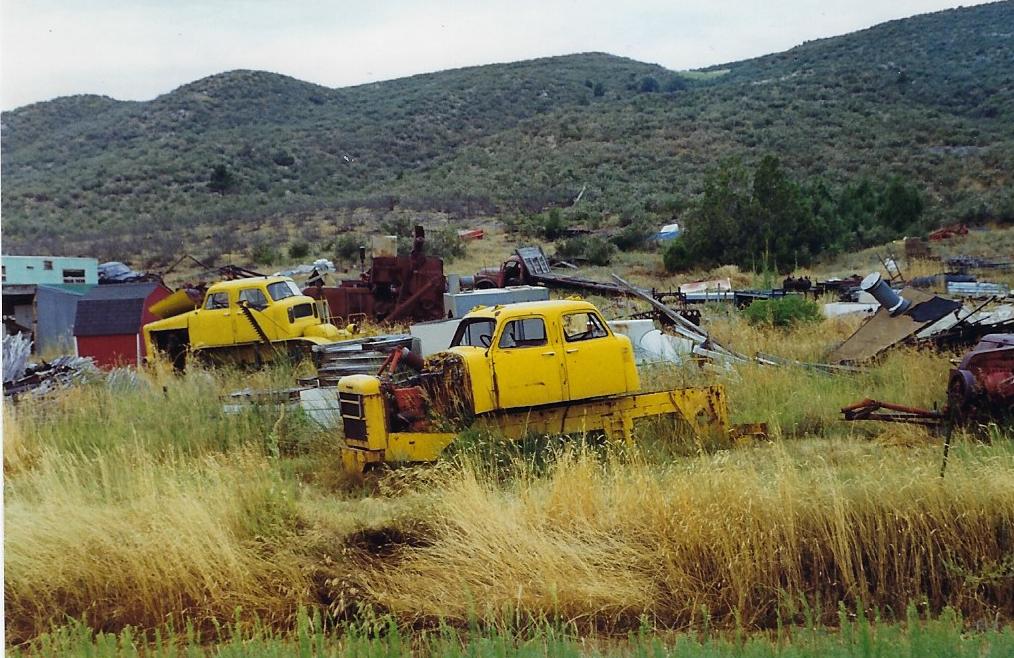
(549, 225)
(787, 311)
(221, 179)
(676, 256)
(283, 159)
(444, 243)
(298, 250)
(590, 249)
(264, 254)
(649, 85)
(634, 236)
(347, 246)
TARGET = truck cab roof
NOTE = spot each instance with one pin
(550, 307)
(236, 284)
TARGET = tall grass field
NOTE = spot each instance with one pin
(143, 519)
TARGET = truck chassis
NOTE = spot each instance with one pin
(705, 411)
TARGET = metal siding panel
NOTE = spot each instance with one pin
(55, 312)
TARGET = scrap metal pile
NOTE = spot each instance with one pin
(913, 317)
(359, 356)
(22, 376)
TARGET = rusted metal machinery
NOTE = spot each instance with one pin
(528, 266)
(983, 383)
(395, 288)
(543, 367)
(979, 389)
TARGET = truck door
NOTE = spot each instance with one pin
(258, 302)
(527, 366)
(212, 325)
(594, 361)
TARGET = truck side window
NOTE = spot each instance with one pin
(254, 297)
(217, 300)
(582, 326)
(512, 274)
(474, 332)
(529, 332)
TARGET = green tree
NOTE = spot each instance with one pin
(779, 218)
(550, 225)
(649, 85)
(675, 83)
(901, 207)
(299, 249)
(713, 231)
(755, 221)
(676, 256)
(221, 179)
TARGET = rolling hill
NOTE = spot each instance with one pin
(929, 98)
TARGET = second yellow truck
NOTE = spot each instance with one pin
(249, 320)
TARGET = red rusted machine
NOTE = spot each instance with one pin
(394, 288)
(983, 382)
(947, 232)
(981, 388)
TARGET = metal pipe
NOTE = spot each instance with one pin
(892, 301)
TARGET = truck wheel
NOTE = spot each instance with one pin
(177, 352)
(295, 353)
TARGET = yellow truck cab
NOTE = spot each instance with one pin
(536, 353)
(245, 319)
(550, 367)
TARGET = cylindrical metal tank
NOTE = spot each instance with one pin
(892, 301)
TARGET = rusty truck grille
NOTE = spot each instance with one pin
(351, 406)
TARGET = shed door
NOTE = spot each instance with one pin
(527, 366)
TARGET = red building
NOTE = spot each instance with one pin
(107, 326)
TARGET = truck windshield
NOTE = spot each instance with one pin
(282, 289)
(477, 332)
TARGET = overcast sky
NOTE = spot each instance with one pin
(136, 50)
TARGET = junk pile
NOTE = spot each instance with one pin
(913, 317)
(965, 263)
(691, 341)
(312, 270)
(319, 404)
(22, 376)
(117, 272)
(948, 232)
(359, 356)
(529, 266)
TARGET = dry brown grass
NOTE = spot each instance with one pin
(731, 535)
(126, 539)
